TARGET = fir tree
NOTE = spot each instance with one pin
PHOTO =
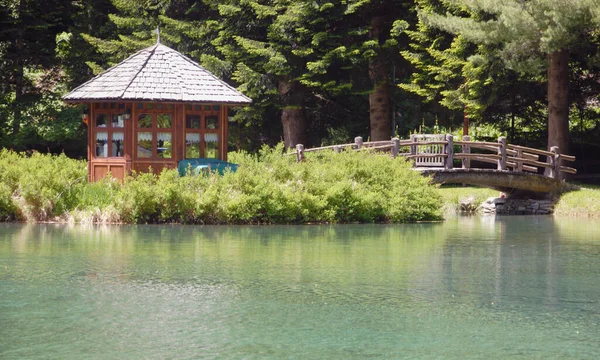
(534, 36)
(377, 32)
(27, 46)
(281, 52)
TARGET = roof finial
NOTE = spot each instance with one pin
(157, 32)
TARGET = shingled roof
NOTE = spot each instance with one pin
(157, 73)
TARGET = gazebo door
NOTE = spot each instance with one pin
(107, 146)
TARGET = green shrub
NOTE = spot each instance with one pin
(137, 201)
(43, 186)
(268, 187)
(8, 209)
(99, 195)
(176, 196)
(329, 187)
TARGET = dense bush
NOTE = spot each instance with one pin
(267, 188)
(39, 187)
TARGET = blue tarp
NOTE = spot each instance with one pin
(197, 166)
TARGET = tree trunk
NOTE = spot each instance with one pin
(558, 100)
(18, 73)
(18, 68)
(292, 115)
(379, 98)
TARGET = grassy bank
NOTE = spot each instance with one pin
(584, 202)
(452, 194)
(267, 188)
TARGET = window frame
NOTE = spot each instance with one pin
(204, 111)
(167, 108)
(109, 109)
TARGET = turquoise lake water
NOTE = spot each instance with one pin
(467, 288)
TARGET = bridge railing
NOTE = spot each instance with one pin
(441, 151)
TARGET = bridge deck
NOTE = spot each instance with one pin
(501, 180)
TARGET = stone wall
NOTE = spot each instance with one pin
(507, 206)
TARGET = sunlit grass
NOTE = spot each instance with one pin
(452, 194)
(584, 202)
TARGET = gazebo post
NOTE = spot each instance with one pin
(224, 125)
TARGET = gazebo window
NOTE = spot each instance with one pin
(201, 131)
(212, 122)
(164, 121)
(164, 145)
(109, 123)
(144, 149)
(145, 121)
(101, 120)
(154, 131)
(192, 145)
(211, 149)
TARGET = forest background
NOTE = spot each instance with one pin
(322, 72)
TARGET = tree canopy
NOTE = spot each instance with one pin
(321, 72)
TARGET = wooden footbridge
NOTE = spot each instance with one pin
(495, 165)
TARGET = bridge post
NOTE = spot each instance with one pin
(413, 148)
(466, 149)
(554, 161)
(337, 149)
(358, 141)
(502, 153)
(395, 147)
(299, 152)
(519, 167)
(449, 151)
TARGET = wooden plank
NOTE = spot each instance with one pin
(530, 162)
(531, 150)
(524, 167)
(330, 147)
(483, 159)
(375, 143)
(441, 142)
(494, 157)
(486, 147)
(567, 157)
(388, 146)
(525, 155)
(568, 170)
(483, 143)
(427, 156)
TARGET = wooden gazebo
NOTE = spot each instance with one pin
(154, 110)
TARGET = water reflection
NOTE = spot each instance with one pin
(462, 288)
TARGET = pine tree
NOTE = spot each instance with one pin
(534, 36)
(282, 52)
(133, 25)
(377, 28)
(27, 45)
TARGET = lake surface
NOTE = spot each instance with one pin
(471, 287)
